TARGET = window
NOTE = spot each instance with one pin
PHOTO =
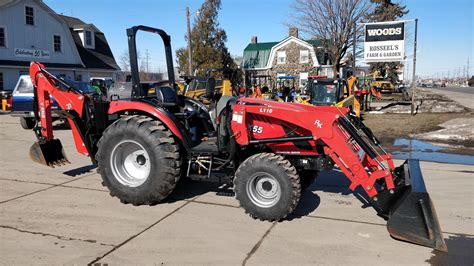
(88, 38)
(281, 57)
(1, 81)
(3, 38)
(57, 43)
(25, 85)
(29, 15)
(304, 56)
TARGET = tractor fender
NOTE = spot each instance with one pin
(162, 115)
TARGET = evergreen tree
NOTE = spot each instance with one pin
(207, 42)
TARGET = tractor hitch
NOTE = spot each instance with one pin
(48, 152)
(409, 209)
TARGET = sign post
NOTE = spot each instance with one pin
(413, 85)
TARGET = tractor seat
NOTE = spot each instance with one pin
(166, 95)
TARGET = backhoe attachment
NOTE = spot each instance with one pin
(48, 152)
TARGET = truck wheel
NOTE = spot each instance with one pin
(307, 178)
(138, 160)
(27, 123)
(267, 186)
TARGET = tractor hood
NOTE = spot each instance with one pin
(294, 107)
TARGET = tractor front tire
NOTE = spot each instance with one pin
(267, 186)
(138, 160)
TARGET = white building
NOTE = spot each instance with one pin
(31, 31)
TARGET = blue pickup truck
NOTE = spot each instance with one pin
(22, 100)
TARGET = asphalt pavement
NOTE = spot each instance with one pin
(464, 96)
(468, 90)
(65, 216)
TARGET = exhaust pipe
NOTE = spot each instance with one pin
(410, 211)
(49, 153)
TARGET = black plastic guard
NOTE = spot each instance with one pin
(411, 214)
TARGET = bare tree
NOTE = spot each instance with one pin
(333, 22)
(125, 61)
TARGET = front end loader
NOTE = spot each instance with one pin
(269, 151)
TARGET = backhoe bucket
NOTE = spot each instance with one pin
(49, 153)
(411, 214)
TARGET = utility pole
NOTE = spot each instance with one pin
(413, 85)
(408, 72)
(147, 57)
(467, 69)
(190, 52)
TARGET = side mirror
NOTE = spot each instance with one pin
(210, 88)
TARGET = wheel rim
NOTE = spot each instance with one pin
(263, 189)
(130, 163)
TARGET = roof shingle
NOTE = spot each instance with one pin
(101, 56)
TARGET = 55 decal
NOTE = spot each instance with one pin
(257, 129)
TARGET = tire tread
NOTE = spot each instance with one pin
(165, 145)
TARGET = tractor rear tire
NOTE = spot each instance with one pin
(27, 123)
(139, 160)
(267, 186)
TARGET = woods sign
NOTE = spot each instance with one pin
(384, 42)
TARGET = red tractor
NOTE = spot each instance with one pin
(144, 144)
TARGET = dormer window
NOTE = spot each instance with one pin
(88, 39)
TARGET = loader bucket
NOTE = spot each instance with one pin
(411, 214)
(49, 153)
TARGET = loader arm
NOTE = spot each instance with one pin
(48, 150)
(397, 193)
(329, 125)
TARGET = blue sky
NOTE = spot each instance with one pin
(445, 39)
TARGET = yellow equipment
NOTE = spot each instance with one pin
(381, 84)
(331, 91)
(196, 86)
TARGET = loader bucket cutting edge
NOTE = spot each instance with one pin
(49, 153)
(411, 213)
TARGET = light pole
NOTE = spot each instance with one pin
(190, 52)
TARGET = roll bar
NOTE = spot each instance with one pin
(132, 47)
